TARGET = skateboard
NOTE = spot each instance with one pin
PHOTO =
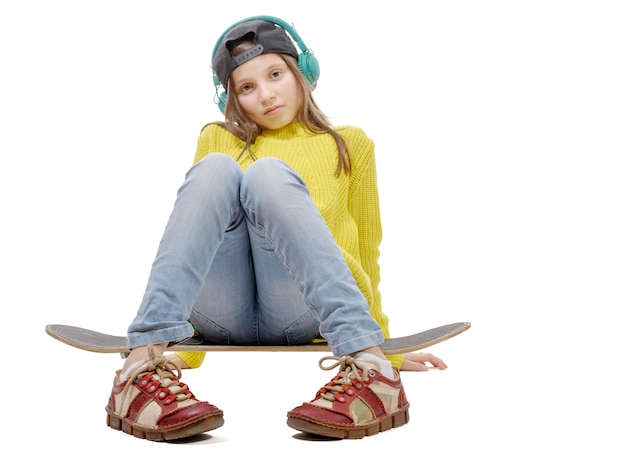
(90, 340)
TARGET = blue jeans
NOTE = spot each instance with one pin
(248, 259)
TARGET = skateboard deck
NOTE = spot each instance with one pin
(93, 341)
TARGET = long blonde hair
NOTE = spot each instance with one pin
(310, 115)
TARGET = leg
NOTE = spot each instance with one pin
(285, 223)
(280, 211)
(225, 311)
(250, 303)
(206, 205)
(284, 317)
(147, 399)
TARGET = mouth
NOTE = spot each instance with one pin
(273, 110)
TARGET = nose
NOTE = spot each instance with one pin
(266, 93)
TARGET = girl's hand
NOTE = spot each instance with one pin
(422, 361)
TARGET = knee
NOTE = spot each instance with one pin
(215, 169)
(268, 175)
(215, 178)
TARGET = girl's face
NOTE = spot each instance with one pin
(267, 91)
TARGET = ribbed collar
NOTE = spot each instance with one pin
(293, 130)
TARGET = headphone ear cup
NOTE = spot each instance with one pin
(221, 101)
(309, 66)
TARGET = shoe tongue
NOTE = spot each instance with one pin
(124, 375)
(367, 362)
(383, 366)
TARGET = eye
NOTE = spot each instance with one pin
(245, 88)
(276, 74)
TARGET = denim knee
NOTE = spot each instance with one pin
(215, 169)
(268, 173)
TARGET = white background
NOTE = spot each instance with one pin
(500, 142)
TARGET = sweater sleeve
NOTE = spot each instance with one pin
(204, 143)
(364, 206)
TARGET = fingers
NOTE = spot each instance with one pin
(420, 361)
(408, 365)
(434, 361)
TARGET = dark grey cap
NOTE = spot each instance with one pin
(267, 37)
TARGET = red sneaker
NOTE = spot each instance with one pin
(358, 402)
(154, 405)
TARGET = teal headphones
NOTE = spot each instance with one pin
(307, 62)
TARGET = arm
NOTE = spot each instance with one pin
(365, 209)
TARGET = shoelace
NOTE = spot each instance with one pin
(161, 369)
(350, 368)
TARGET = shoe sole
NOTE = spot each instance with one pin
(301, 423)
(204, 424)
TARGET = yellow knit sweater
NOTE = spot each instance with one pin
(348, 203)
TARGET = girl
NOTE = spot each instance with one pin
(273, 240)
